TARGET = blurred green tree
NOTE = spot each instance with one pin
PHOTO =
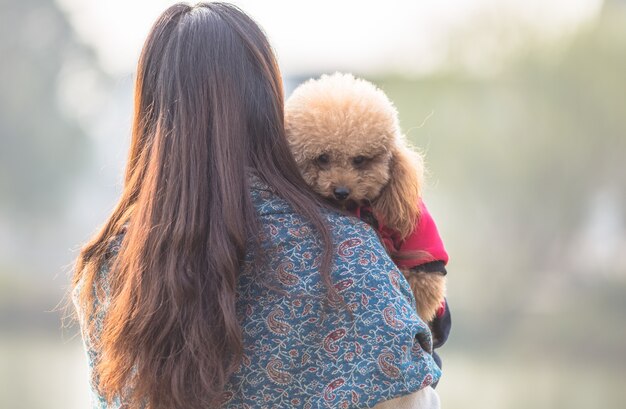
(520, 157)
(41, 146)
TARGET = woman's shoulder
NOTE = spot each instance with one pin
(270, 205)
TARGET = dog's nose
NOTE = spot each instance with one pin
(341, 192)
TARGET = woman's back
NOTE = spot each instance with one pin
(302, 349)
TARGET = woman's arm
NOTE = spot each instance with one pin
(377, 351)
(393, 315)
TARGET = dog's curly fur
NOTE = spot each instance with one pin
(344, 133)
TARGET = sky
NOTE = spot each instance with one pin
(401, 36)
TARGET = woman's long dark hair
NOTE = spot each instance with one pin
(208, 108)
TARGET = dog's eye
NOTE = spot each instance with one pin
(358, 160)
(323, 159)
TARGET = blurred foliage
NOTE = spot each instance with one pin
(525, 164)
(535, 142)
(45, 73)
(41, 147)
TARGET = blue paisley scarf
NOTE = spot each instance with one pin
(304, 351)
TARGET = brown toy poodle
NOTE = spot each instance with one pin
(345, 136)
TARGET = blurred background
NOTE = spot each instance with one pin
(519, 107)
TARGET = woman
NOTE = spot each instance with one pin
(220, 280)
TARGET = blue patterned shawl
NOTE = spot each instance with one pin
(300, 352)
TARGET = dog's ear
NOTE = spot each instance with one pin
(398, 203)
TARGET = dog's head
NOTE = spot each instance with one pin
(345, 137)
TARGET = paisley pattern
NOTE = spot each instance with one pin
(330, 359)
(385, 361)
(302, 351)
(276, 374)
(285, 276)
(329, 341)
(389, 314)
(275, 325)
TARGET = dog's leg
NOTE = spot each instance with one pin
(429, 290)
